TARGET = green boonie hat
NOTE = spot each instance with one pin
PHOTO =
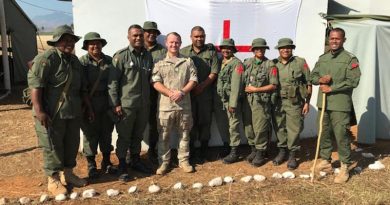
(92, 36)
(284, 42)
(259, 43)
(228, 42)
(59, 32)
(151, 25)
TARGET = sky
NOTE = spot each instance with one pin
(42, 7)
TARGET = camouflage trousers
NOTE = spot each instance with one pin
(168, 121)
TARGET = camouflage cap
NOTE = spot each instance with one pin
(151, 25)
(92, 36)
(228, 42)
(59, 32)
(285, 42)
(259, 43)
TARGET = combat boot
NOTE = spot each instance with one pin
(137, 165)
(252, 155)
(54, 185)
(225, 150)
(322, 166)
(203, 150)
(343, 176)
(187, 168)
(292, 161)
(71, 178)
(163, 169)
(106, 165)
(92, 171)
(232, 157)
(281, 157)
(122, 171)
(259, 158)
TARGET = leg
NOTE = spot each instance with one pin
(164, 153)
(184, 128)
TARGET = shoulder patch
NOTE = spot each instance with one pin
(354, 65)
(305, 66)
(239, 69)
(274, 71)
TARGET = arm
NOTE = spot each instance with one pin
(114, 78)
(351, 80)
(236, 86)
(40, 114)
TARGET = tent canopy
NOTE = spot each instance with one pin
(21, 33)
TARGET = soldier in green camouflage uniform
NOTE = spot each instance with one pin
(55, 80)
(338, 73)
(206, 63)
(174, 78)
(293, 104)
(230, 90)
(261, 79)
(129, 89)
(97, 131)
(158, 53)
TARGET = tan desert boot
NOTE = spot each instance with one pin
(343, 175)
(186, 167)
(322, 166)
(54, 185)
(71, 178)
(163, 169)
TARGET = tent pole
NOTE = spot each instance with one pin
(7, 79)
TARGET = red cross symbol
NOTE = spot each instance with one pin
(226, 34)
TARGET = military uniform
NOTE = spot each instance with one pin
(344, 69)
(174, 74)
(129, 87)
(206, 62)
(256, 106)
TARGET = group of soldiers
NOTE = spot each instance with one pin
(174, 89)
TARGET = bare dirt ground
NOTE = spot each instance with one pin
(21, 174)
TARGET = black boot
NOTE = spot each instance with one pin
(152, 154)
(281, 157)
(292, 161)
(232, 157)
(137, 165)
(106, 165)
(252, 155)
(204, 149)
(225, 150)
(92, 171)
(122, 170)
(259, 159)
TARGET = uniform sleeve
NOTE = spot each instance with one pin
(156, 75)
(306, 73)
(236, 84)
(193, 72)
(351, 79)
(273, 74)
(214, 63)
(315, 74)
(38, 74)
(114, 80)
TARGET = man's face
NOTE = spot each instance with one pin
(259, 52)
(94, 47)
(66, 44)
(336, 40)
(198, 38)
(136, 38)
(226, 52)
(150, 36)
(173, 44)
(285, 52)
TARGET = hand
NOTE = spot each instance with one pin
(176, 96)
(250, 89)
(231, 109)
(325, 79)
(43, 118)
(197, 90)
(90, 115)
(325, 88)
(305, 109)
(118, 110)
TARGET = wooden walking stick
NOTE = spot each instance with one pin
(319, 135)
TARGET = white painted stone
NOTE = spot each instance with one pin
(154, 188)
(336, 170)
(112, 192)
(3, 201)
(89, 193)
(246, 179)
(367, 155)
(60, 197)
(304, 176)
(43, 198)
(228, 179)
(288, 175)
(277, 175)
(74, 195)
(178, 186)
(216, 182)
(197, 185)
(358, 149)
(322, 174)
(259, 178)
(377, 165)
(132, 189)
(24, 200)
